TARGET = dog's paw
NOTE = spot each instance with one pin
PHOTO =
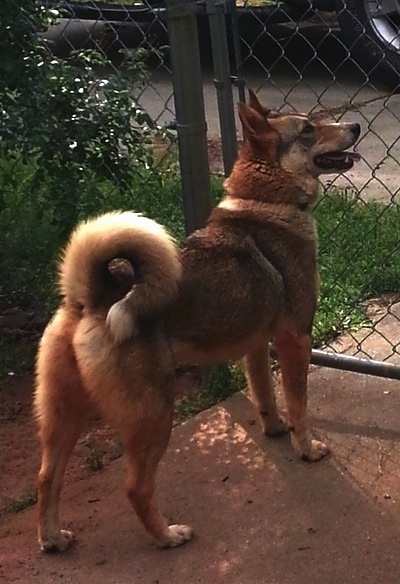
(315, 451)
(177, 535)
(58, 543)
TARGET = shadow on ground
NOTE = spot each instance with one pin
(259, 514)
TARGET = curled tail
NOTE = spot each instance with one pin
(150, 250)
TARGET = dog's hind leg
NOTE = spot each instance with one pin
(257, 369)
(56, 449)
(145, 442)
(61, 409)
(294, 357)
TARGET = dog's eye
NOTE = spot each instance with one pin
(308, 129)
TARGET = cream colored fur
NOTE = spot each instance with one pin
(121, 235)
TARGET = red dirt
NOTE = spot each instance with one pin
(20, 451)
(260, 515)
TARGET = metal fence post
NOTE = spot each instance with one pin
(222, 79)
(239, 80)
(189, 111)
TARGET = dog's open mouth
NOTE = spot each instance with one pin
(336, 161)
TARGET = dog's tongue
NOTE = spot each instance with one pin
(353, 155)
(342, 155)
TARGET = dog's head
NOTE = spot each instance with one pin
(303, 145)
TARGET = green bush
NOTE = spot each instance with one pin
(31, 235)
(73, 143)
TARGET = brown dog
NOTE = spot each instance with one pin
(248, 277)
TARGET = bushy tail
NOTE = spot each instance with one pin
(144, 243)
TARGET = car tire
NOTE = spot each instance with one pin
(370, 36)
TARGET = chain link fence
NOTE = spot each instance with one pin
(341, 58)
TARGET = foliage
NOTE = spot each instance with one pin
(74, 142)
(32, 233)
(358, 259)
(217, 384)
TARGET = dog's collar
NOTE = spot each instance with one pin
(238, 204)
(289, 216)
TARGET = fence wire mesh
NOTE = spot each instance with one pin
(338, 57)
(342, 58)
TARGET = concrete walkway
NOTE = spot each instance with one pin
(260, 515)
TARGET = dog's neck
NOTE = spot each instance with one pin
(268, 182)
(300, 221)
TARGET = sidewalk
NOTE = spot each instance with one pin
(260, 515)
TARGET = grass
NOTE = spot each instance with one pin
(21, 503)
(94, 460)
(359, 259)
(32, 231)
(217, 384)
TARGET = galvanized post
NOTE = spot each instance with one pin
(189, 110)
(238, 77)
(222, 79)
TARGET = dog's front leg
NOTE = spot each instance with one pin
(294, 352)
(257, 368)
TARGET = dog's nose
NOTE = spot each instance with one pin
(355, 130)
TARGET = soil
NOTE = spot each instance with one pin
(260, 514)
(20, 452)
(96, 449)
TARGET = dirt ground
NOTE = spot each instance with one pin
(20, 454)
(259, 514)
(97, 448)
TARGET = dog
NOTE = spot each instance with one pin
(247, 278)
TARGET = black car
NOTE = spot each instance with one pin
(369, 28)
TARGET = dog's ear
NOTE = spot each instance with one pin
(254, 123)
(256, 105)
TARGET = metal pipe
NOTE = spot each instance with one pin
(238, 78)
(355, 364)
(349, 363)
(222, 81)
(189, 110)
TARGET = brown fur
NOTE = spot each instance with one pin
(248, 277)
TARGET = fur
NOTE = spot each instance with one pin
(135, 307)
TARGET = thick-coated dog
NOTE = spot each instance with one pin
(248, 277)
